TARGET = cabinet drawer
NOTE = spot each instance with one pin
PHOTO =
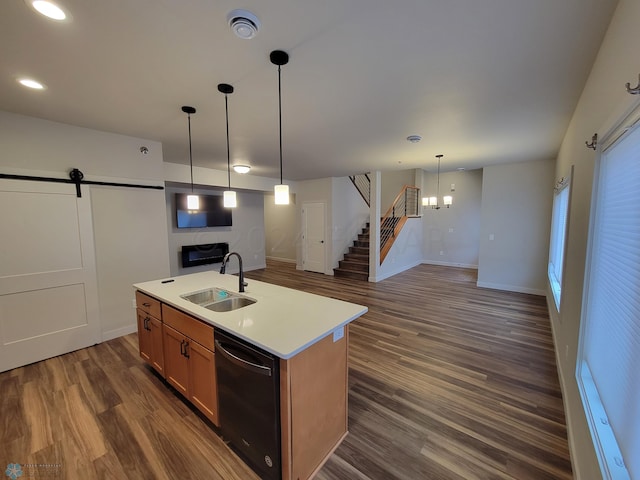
(191, 327)
(148, 304)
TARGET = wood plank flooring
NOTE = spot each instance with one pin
(447, 381)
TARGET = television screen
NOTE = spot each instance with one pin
(212, 212)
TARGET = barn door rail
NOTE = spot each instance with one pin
(77, 178)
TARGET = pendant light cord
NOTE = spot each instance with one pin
(280, 118)
(190, 152)
(438, 187)
(226, 107)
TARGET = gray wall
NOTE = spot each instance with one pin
(452, 235)
(245, 236)
(280, 233)
(349, 213)
(602, 103)
(129, 225)
(392, 183)
(514, 233)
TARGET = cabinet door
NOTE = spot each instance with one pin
(176, 364)
(203, 380)
(157, 352)
(144, 339)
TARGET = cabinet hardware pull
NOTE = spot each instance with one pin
(186, 349)
(182, 347)
(146, 323)
(146, 305)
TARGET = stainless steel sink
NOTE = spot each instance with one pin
(218, 299)
(207, 296)
(230, 304)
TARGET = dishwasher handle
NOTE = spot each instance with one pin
(260, 369)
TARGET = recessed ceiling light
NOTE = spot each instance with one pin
(460, 169)
(241, 168)
(31, 83)
(48, 9)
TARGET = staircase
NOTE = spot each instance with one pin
(356, 263)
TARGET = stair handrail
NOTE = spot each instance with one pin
(362, 182)
(405, 204)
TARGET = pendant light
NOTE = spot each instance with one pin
(433, 202)
(279, 58)
(193, 201)
(229, 199)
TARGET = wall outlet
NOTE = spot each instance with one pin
(453, 187)
(133, 303)
(451, 230)
(491, 236)
(441, 252)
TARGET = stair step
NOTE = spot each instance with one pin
(359, 250)
(358, 243)
(357, 257)
(363, 238)
(340, 272)
(355, 266)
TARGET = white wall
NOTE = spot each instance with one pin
(392, 183)
(602, 102)
(281, 235)
(406, 251)
(349, 213)
(452, 235)
(515, 223)
(129, 249)
(246, 235)
(130, 242)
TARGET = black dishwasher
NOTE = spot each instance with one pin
(249, 402)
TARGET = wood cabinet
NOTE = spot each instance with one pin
(189, 359)
(313, 406)
(150, 331)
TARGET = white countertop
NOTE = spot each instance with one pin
(283, 321)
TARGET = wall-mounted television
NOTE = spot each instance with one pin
(212, 212)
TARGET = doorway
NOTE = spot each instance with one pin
(313, 237)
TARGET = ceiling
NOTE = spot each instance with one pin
(482, 81)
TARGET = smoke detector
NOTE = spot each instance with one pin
(244, 24)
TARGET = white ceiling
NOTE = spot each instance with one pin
(482, 81)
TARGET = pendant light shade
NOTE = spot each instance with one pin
(193, 201)
(229, 196)
(279, 58)
(282, 194)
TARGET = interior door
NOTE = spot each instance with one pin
(313, 233)
(48, 286)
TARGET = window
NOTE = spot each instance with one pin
(608, 365)
(558, 236)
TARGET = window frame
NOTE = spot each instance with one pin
(558, 236)
(603, 436)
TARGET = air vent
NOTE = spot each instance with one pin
(244, 24)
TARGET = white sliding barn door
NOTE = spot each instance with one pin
(48, 286)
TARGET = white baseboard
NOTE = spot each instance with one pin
(450, 264)
(512, 288)
(379, 278)
(287, 260)
(119, 332)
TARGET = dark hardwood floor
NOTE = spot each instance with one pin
(447, 381)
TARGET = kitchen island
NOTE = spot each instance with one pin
(307, 333)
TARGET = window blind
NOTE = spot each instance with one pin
(609, 367)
